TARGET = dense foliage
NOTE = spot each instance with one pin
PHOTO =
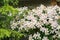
(7, 13)
(40, 23)
(10, 35)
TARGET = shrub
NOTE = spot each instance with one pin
(39, 24)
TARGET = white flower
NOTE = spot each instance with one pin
(54, 24)
(45, 38)
(36, 35)
(38, 25)
(41, 7)
(54, 36)
(58, 27)
(13, 25)
(30, 37)
(46, 31)
(42, 29)
(56, 17)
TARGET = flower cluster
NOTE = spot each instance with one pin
(40, 22)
